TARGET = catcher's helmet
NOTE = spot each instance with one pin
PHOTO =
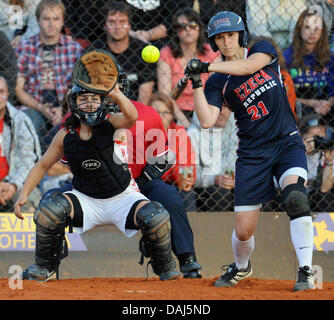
(226, 21)
(89, 118)
(123, 85)
(123, 81)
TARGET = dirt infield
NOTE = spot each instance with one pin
(154, 289)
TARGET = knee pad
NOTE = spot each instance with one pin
(153, 220)
(51, 218)
(295, 200)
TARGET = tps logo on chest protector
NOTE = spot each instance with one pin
(91, 164)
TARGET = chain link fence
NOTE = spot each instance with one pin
(38, 72)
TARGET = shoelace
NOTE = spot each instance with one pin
(229, 270)
(303, 275)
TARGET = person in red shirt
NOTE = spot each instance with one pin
(183, 172)
(150, 158)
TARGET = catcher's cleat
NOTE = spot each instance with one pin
(170, 275)
(304, 279)
(189, 266)
(38, 273)
(233, 275)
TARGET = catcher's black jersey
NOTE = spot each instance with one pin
(259, 101)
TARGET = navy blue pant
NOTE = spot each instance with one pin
(157, 190)
(168, 196)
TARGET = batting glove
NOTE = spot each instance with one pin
(196, 66)
(195, 80)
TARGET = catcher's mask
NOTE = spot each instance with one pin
(94, 113)
(123, 85)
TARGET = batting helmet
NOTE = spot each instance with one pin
(226, 21)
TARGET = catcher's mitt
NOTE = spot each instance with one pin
(96, 71)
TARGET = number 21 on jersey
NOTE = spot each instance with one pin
(257, 111)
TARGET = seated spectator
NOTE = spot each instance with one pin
(20, 150)
(8, 65)
(83, 19)
(274, 19)
(187, 41)
(127, 50)
(45, 64)
(208, 8)
(151, 19)
(325, 8)
(311, 66)
(319, 161)
(18, 20)
(215, 150)
(183, 173)
(286, 77)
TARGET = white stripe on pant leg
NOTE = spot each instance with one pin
(247, 208)
(298, 171)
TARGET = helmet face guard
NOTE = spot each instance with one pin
(89, 118)
(123, 84)
(226, 21)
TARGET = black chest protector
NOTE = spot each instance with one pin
(97, 172)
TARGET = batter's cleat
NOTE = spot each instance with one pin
(38, 273)
(189, 266)
(233, 275)
(170, 275)
(304, 279)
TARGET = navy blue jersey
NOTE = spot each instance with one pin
(259, 101)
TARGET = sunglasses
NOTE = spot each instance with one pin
(184, 26)
(314, 122)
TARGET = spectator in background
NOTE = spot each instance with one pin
(20, 150)
(45, 64)
(187, 41)
(183, 173)
(215, 150)
(326, 9)
(208, 8)
(311, 66)
(18, 20)
(319, 161)
(274, 19)
(127, 50)
(151, 19)
(84, 19)
(8, 65)
(286, 77)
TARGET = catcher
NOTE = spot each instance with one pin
(104, 191)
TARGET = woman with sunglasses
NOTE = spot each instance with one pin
(187, 41)
(249, 83)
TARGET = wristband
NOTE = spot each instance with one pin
(197, 83)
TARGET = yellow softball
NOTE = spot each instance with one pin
(150, 54)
